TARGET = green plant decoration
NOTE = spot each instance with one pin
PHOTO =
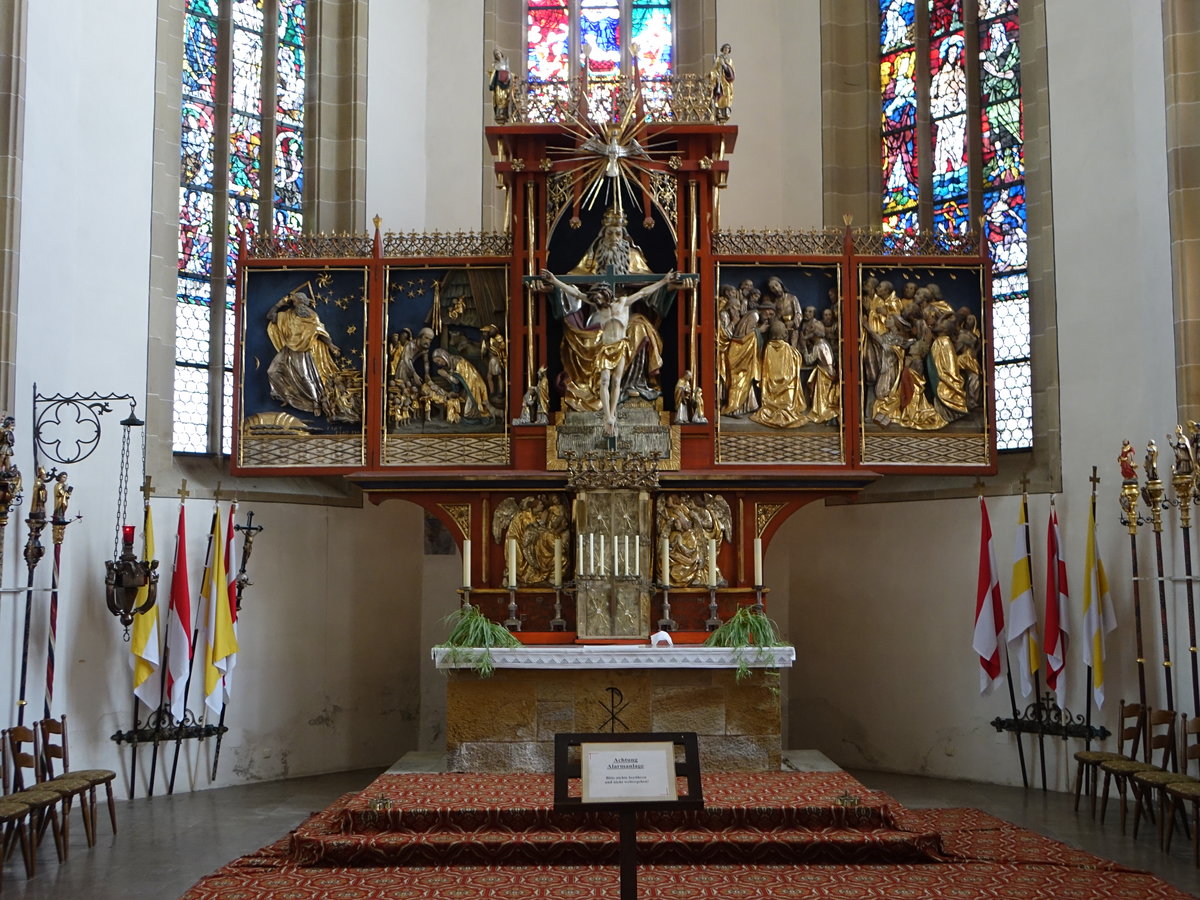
(471, 638)
(747, 628)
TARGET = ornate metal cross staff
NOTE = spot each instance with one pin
(1183, 479)
(34, 551)
(1152, 493)
(1130, 518)
(249, 532)
(58, 531)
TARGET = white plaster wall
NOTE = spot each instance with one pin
(882, 612)
(777, 108)
(329, 653)
(398, 77)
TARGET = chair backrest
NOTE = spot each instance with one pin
(1191, 729)
(23, 754)
(1129, 729)
(53, 735)
(1161, 723)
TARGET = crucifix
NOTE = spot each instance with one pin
(610, 349)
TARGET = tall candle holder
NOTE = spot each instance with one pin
(713, 622)
(558, 623)
(758, 599)
(464, 594)
(513, 622)
(666, 623)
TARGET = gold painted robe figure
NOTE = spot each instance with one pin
(303, 363)
(466, 381)
(737, 349)
(783, 403)
(823, 386)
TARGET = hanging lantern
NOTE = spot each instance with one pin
(126, 575)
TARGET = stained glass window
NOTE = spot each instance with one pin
(242, 160)
(959, 189)
(606, 36)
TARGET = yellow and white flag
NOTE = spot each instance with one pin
(1098, 617)
(220, 639)
(1022, 614)
(143, 643)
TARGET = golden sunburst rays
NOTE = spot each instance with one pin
(609, 157)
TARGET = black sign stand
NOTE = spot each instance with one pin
(566, 770)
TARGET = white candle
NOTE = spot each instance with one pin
(637, 556)
(466, 575)
(712, 562)
(558, 562)
(601, 554)
(591, 553)
(628, 571)
(758, 579)
(664, 565)
(512, 563)
(616, 558)
(579, 559)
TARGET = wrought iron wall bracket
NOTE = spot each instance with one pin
(1046, 717)
(168, 733)
(66, 427)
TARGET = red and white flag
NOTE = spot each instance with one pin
(1056, 635)
(989, 609)
(179, 623)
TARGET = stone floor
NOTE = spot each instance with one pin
(167, 843)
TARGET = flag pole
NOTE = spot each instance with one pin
(990, 562)
(187, 684)
(225, 598)
(1183, 478)
(1030, 639)
(242, 580)
(1129, 518)
(58, 531)
(1091, 684)
(164, 702)
(34, 551)
(1152, 493)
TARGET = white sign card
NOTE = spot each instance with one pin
(631, 772)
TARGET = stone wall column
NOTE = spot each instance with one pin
(12, 130)
(1181, 64)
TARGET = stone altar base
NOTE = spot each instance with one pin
(507, 722)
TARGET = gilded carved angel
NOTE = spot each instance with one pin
(689, 522)
(536, 523)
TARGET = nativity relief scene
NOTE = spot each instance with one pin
(612, 403)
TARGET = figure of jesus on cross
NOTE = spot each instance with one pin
(614, 343)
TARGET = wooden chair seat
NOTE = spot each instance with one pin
(13, 814)
(1096, 756)
(1158, 733)
(55, 752)
(1179, 794)
(1087, 762)
(29, 774)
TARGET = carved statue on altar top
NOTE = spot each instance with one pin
(611, 349)
(536, 524)
(689, 522)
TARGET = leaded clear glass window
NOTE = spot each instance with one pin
(242, 166)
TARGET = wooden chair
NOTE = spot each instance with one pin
(26, 756)
(13, 814)
(1177, 793)
(1129, 735)
(1150, 785)
(53, 733)
(1161, 724)
(42, 804)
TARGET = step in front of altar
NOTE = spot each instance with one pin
(461, 819)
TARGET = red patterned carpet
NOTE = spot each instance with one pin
(772, 835)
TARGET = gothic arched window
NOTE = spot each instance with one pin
(609, 35)
(950, 80)
(242, 160)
